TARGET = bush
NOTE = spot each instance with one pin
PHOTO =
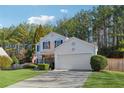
(98, 62)
(5, 62)
(15, 60)
(29, 65)
(111, 52)
(43, 66)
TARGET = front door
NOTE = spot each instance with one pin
(49, 59)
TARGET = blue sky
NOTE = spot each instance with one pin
(41, 14)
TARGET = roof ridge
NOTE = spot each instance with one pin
(89, 44)
(83, 41)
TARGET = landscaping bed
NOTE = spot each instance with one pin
(105, 79)
(8, 77)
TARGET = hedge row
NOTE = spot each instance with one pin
(111, 52)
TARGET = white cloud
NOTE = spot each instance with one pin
(43, 19)
(63, 10)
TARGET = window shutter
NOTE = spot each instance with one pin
(37, 48)
(61, 41)
(55, 43)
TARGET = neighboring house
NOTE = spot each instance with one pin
(14, 49)
(65, 53)
(3, 53)
(18, 47)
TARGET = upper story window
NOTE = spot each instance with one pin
(38, 48)
(58, 42)
(46, 45)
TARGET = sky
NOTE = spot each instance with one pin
(37, 14)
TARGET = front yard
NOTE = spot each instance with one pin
(8, 77)
(105, 79)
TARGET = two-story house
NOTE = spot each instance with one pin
(46, 47)
(65, 53)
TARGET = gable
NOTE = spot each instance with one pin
(3, 53)
(52, 35)
(75, 45)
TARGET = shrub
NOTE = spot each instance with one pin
(29, 65)
(5, 62)
(15, 60)
(43, 66)
(111, 52)
(98, 62)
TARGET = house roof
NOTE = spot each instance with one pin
(3, 52)
(74, 38)
(53, 33)
(56, 34)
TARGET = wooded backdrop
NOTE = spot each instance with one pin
(103, 25)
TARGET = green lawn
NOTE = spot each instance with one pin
(9, 77)
(105, 79)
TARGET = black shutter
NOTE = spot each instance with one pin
(61, 41)
(55, 43)
(37, 48)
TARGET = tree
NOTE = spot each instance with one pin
(6, 36)
(118, 22)
(37, 35)
(5, 62)
(102, 24)
(77, 26)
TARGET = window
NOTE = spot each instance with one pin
(58, 42)
(38, 48)
(46, 45)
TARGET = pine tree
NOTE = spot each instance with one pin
(37, 36)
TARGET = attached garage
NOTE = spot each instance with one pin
(74, 54)
(74, 61)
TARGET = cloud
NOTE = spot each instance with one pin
(63, 10)
(43, 19)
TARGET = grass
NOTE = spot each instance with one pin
(8, 77)
(105, 79)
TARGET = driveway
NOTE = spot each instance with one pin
(55, 79)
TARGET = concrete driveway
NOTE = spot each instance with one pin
(55, 79)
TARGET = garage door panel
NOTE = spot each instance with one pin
(74, 61)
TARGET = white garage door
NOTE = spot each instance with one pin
(73, 61)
